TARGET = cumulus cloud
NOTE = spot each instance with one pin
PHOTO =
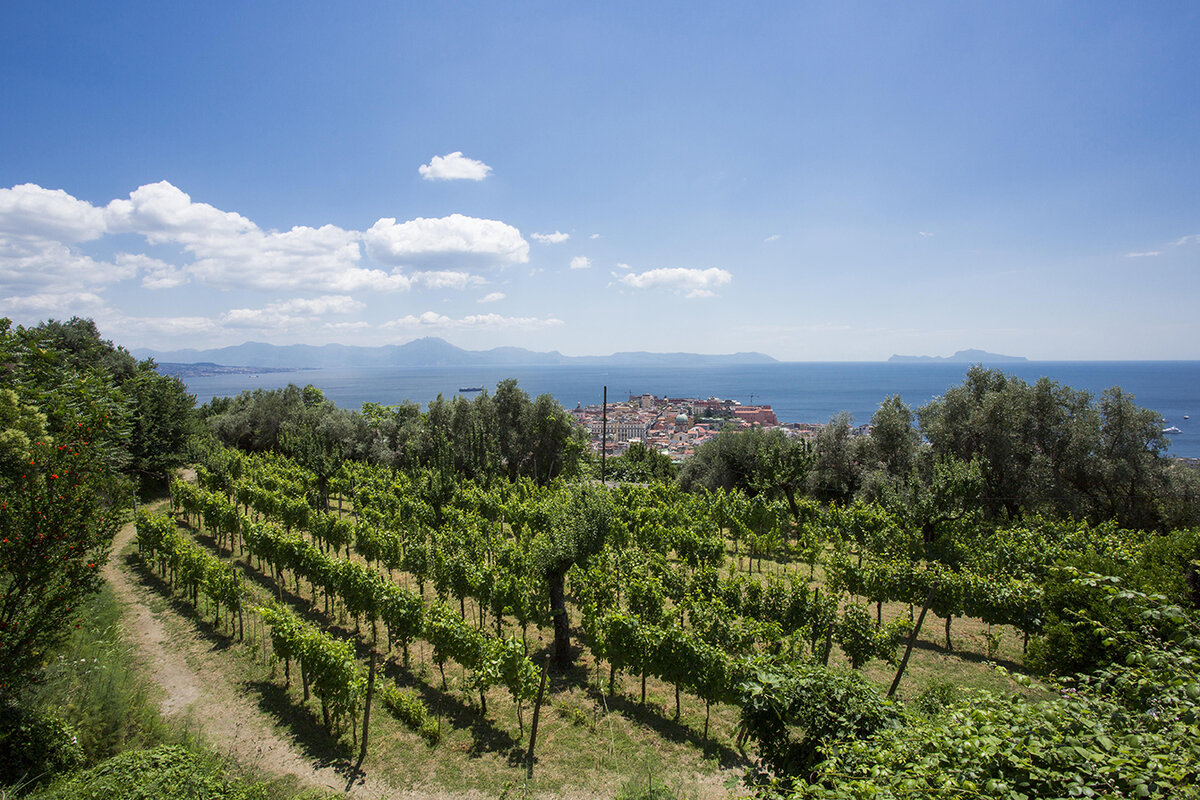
(286, 313)
(42, 233)
(623, 265)
(454, 167)
(594, 236)
(581, 262)
(924, 234)
(158, 328)
(28, 210)
(317, 306)
(156, 274)
(51, 303)
(324, 258)
(774, 237)
(432, 319)
(445, 279)
(231, 251)
(454, 238)
(38, 230)
(692, 283)
(550, 238)
(1144, 255)
(164, 213)
(31, 265)
(491, 298)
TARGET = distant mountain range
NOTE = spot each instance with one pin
(961, 357)
(426, 352)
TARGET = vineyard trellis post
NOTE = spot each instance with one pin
(912, 638)
(537, 709)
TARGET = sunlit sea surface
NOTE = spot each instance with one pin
(799, 392)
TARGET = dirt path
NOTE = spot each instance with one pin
(230, 722)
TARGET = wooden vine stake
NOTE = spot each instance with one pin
(537, 707)
(912, 638)
(366, 723)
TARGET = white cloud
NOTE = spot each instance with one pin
(491, 298)
(46, 303)
(622, 265)
(28, 210)
(774, 237)
(1195, 237)
(550, 238)
(692, 283)
(346, 326)
(32, 265)
(155, 329)
(1143, 255)
(445, 279)
(163, 213)
(581, 262)
(39, 229)
(454, 166)
(287, 313)
(431, 319)
(156, 274)
(924, 234)
(453, 238)
(316, 306)
(313, 259)
(231, 251)
(594, 236)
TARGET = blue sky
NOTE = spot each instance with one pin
(816, 181)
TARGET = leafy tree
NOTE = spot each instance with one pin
(940, 494)
(1051, 447)
(580, 521)
(641, 464)
(62, 497)
(1131, 472)
(754, 461)
(252, 420)
(163, 420)
(835, 474)
(894, 439)
(79, 341)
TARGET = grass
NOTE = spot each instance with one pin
(93, 685)
(97, 686)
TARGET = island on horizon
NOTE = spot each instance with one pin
(969, 356)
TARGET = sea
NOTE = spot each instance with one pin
(797, 391)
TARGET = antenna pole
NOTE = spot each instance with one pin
(603, 432)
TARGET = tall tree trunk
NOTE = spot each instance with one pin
(562, 627)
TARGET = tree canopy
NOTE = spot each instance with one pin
(80, 421)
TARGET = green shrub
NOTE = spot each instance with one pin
(861, 641)
(935, 698)
(169, 771)
(36, 747)
(646, 789)
(407, 707)
(795, 713)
